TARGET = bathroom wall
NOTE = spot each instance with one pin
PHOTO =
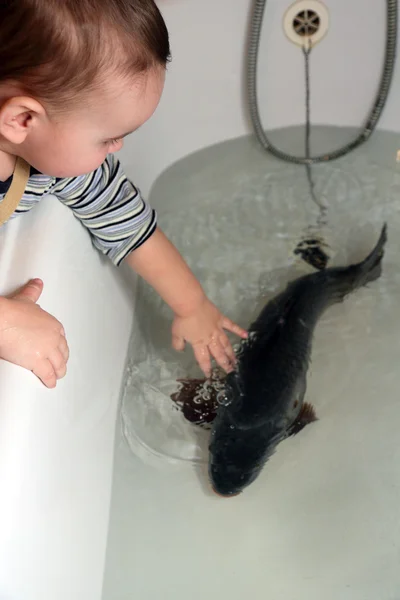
(204, 99)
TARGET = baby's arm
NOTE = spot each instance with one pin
(30, 337)
(123, 226)
(197, 320)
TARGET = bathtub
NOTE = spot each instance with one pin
(56, 446)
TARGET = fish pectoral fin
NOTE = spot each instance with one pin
(187, 390)
(306, 415)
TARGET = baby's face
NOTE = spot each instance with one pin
(78, 143)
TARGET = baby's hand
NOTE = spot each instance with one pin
(204, 330)
(30, 337)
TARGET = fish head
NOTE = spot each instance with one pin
(228, 483)
(243, 440)
(237, 457)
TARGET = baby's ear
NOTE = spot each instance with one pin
(18, 116)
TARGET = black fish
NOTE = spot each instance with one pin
(262, 402)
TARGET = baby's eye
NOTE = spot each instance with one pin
(115, 141)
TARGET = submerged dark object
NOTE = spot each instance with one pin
(263, 400)
(312, 252)
(197, 399)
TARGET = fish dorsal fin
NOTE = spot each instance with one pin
(306, 415)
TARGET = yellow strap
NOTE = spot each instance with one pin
(16, 190)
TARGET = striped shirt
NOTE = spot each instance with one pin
(105, 202)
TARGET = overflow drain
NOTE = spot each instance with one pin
(306, 21)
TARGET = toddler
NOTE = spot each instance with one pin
(76, 77)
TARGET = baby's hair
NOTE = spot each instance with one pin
(55, 50)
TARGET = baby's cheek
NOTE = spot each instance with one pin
(94, 160)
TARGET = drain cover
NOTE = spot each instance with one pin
(306, 21)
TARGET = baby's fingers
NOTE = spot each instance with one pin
(59, 363)
(178, 343)
(63, 347)
(221, 356)
(231, 326)
(45, 371)
(228, 348)
(203, 358)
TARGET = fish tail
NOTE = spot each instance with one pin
(348, 279)
(370, 268)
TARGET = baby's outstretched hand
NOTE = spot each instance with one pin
(30, 337)
(204, 330)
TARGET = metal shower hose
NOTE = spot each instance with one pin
(374, 115)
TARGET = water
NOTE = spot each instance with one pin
(321, 521)
(237, 215)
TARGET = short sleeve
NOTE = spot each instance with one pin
(110, 207)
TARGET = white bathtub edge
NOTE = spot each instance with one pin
(56, 446)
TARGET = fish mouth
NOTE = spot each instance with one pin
(227, 494)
